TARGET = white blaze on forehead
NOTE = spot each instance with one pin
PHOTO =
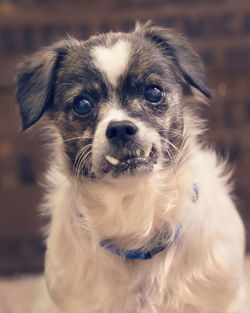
(113, 60)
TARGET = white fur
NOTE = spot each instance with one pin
(200, 273)
(112, 60)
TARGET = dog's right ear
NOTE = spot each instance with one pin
(179, 50)
(36, 81)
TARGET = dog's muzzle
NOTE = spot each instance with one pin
(128, 153)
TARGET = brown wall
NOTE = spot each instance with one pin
(219, 30)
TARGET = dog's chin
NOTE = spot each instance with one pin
(135, 164)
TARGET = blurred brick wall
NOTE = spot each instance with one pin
(218, 29)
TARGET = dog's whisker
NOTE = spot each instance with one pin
(172, 160)
(170, 131)
(81, 158)
(74, 138)
(88, 166)
(82, 151)
(78, 160)
(169, 152)
(173, 146)
(80, 138)
(84, 160)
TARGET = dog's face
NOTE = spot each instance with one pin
(116, 99)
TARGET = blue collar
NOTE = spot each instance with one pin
(138, 254)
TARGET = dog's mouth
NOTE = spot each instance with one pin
(132, 163)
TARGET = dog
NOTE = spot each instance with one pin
(141, 214)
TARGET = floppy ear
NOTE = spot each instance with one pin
(178, 48)
(35, 84)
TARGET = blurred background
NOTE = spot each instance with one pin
(218, 29)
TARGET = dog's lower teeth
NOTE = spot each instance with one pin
(112, 160)
(147, 152)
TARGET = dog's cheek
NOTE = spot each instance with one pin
(176, 128)
(79, 154)
(172, 138)
(76, 135)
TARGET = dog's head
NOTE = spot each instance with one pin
(116, 98)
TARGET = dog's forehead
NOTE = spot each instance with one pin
(115, 61)
(112, 60)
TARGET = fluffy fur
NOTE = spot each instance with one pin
(89, 199)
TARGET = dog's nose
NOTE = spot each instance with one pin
(121, 131)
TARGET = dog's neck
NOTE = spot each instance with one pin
(132, 211)
(160, 240)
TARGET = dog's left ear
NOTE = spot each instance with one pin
(35, 83)
(178, 48)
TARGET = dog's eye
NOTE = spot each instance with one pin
(82, 106)
(153, 93)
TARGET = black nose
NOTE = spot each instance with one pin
(121, 130)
